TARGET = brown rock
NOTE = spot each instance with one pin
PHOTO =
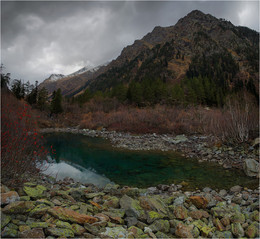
(199, 201)
(180, 212)
(33, 233)
(195, 214)
(102, 217)
(9, 197)
(218, 225)
(66, 214)
(183, 231)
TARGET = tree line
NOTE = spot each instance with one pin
(35, 96)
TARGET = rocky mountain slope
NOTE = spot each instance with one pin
(199, 44)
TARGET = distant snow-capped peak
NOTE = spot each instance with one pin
(54, 77)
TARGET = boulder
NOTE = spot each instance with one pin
(183, 231)
(19, 207)
(115, 232)
(34, 192)
(237, 230)
(5, 219)
(32, 233)
(9, 197)
(160, 225)
(251, 168)
(59, 232)
(199, 201)
(66, 214)
(180, 212)
(132, 207)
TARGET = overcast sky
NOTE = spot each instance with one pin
(41, 38)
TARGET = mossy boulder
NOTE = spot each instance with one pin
(237, 230)
(154, 203)
(180, 212)
(132, 207)
(238, 217)
(9, 232)
(136, 232)
(152, 216)
(251, 231)
(39, 224)
(160, 225)
(5, 219)
(35, 192)
(112, 202)
(39, 210)
(77, 229)
(19, 207)
(62, 224)
(59, 232)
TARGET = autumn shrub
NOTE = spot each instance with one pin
(22, 150)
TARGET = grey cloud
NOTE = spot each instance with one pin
(40, 38)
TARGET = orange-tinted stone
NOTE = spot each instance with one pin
(199, 201)
(66, 214)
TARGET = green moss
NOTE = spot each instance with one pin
(60, 232)
(39, 224)
(62, 224)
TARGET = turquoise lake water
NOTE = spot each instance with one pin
(94, 160)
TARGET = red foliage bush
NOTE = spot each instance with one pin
(22, 149)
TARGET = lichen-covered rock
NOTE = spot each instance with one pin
(39, 225)
(71, 216)
(251, 231)
(115, 232)
(180, 212)
(59, 232)
(160, 225)
(199, 201)
(9, 232)
(77, 229)
(132, 207)
(237, 229)
(93, 195)
(218, 225)
(136, 232)
(183, 231)
(116, 215)
(62, 224)
(35, 192)
(24, 228)
(5, 219)
(32, 233)
(39, 210)
(238, 217)
(112, 202)
(19, 207)
(154, 203)
(9, 197)
(152, 216)
(159, 235)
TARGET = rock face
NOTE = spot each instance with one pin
(251, 168)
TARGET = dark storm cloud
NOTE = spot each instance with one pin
(40, 38)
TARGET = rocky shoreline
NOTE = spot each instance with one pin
(45, 208)
(204, 148)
